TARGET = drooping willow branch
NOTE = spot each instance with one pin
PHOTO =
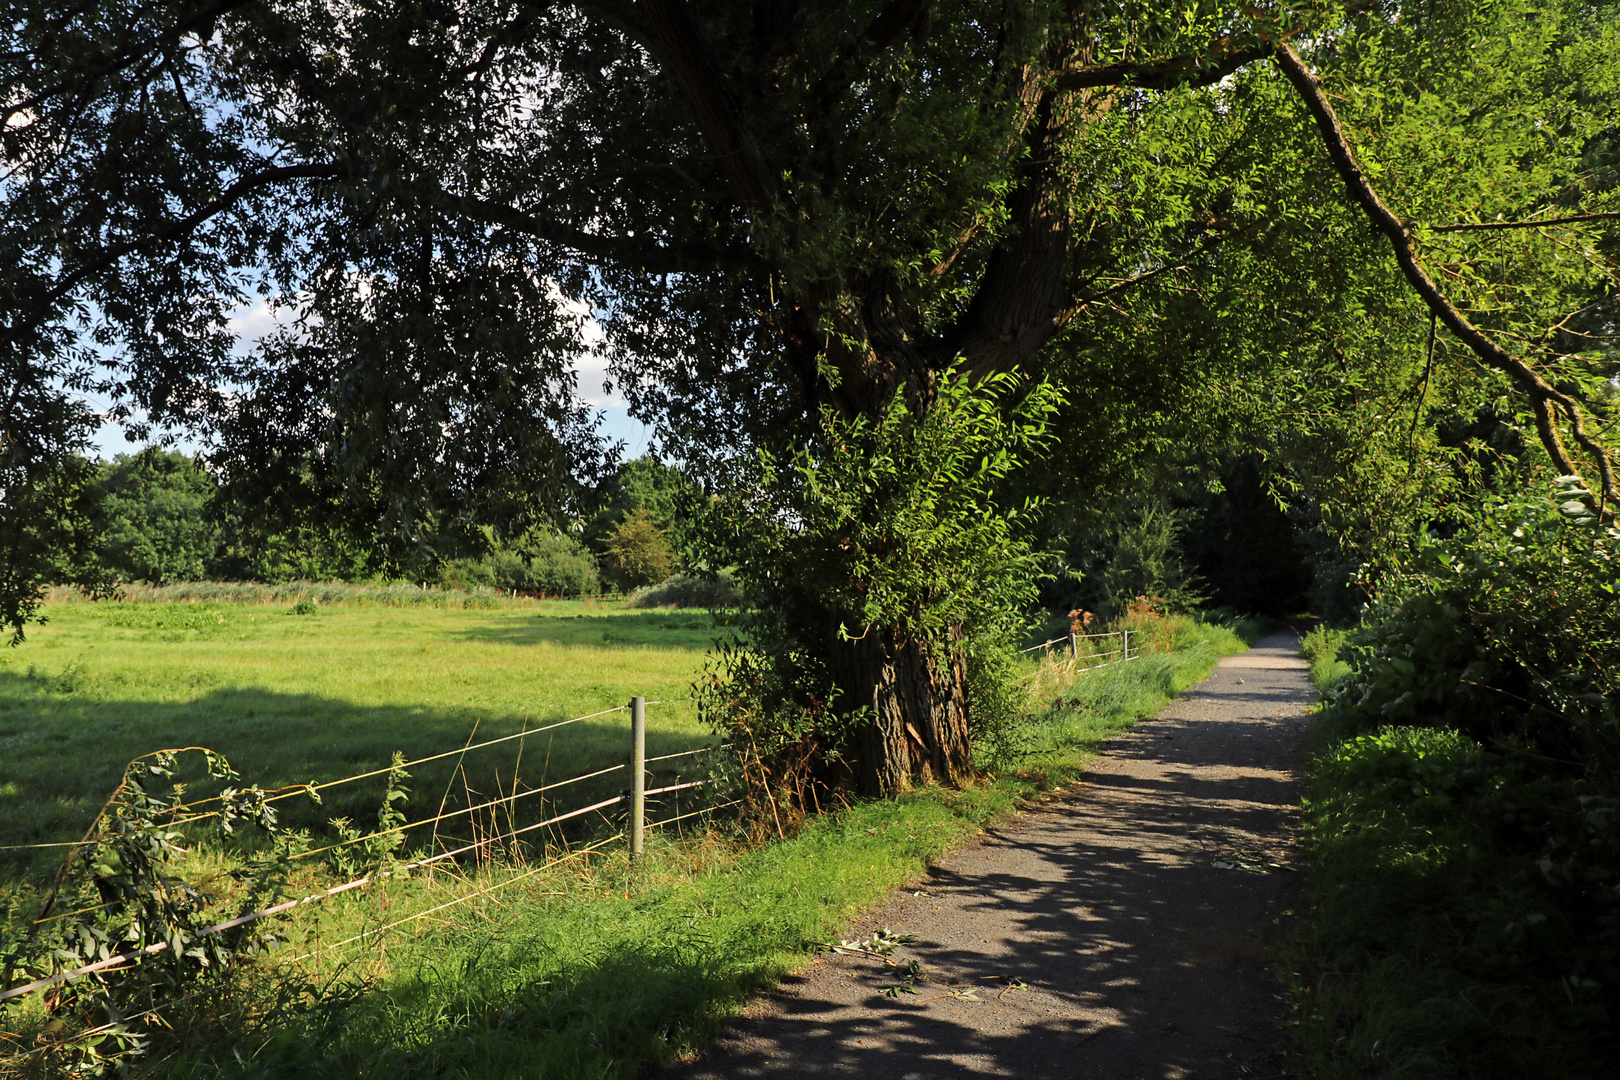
(1570, 220)
(1546, 401)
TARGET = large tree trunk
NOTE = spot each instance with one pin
(916, 731)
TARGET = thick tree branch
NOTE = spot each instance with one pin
(106, 257)
(687, 60)
(628, 253)
(1570, 220)
(1543, 396)
(896, 18)
(1025, 290)
(1204, 69)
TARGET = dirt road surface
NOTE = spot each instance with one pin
(1123, 930)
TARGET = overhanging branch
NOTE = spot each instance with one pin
(1569, 220)
(106, 257)
(1204, 69)
(621, 251)
(111, 61)
(1545, 400)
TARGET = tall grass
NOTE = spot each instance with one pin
(1321, 647)
(384, 594)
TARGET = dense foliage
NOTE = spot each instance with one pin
(775, 210)
(158, 527)
(893, 546)
(1468, 821)
(635, 552)
(540, 562)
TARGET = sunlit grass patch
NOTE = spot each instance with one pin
(305, 699)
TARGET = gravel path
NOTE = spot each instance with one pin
(1122, 931)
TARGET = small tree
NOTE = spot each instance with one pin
(158, 528)
(637, 553)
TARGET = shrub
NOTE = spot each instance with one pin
(1506, 627)
(637, 554)
(1468, 828)
(539, 562)
(690, 591)
(557, 565)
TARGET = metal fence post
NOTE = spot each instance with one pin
(1125, 644)
(638, 773)
(1074, 647)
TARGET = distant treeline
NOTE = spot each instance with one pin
(159, 516)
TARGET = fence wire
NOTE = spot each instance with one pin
(113, 962)
(292, 790)
(123, 1022)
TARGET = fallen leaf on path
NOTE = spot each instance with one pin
(1257, 862)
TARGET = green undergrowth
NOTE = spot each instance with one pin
(1442, 944)
(603, 971)
(1321, 648)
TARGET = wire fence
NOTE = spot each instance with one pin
(1071, 665)
(633, 800)
(122, 1023)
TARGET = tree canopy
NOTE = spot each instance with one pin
(157, 527)
(1309, 231)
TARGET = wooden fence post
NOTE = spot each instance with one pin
(638, 774)
(1074, 647)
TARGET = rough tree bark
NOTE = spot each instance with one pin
(918, 731)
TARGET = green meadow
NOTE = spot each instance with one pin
(309, 698)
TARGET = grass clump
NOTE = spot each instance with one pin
(1321, 647)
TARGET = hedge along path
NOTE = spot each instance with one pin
(1123, 929)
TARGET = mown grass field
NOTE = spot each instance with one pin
(595, 967)
(294, 699)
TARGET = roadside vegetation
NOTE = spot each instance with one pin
(1462, 816)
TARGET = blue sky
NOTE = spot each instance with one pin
(256, 320)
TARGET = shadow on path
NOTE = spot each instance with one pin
(1096, 934)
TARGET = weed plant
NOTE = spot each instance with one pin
(1321, 647)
